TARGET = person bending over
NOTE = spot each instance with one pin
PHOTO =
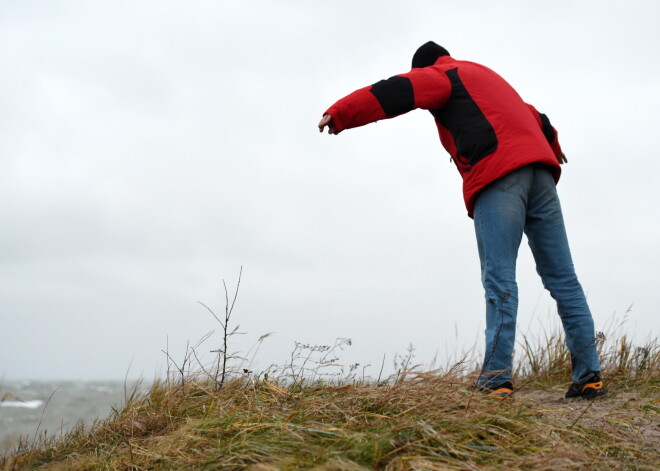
(510, 160)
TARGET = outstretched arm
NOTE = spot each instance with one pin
(420, 88)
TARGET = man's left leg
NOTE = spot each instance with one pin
(547, 238)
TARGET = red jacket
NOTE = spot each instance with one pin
(486, 127)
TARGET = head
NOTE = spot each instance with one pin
(427, 54)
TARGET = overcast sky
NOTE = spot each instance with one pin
(148, 150)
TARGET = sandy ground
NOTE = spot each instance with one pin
(631, 416)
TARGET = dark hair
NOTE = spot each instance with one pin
(427, 54)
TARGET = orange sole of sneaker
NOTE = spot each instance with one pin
(500, 393)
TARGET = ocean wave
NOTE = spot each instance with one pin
(25, 404)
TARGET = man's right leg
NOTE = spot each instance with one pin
(499, 218)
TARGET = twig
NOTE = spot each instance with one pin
(167, 354)
(228, 311)
(221, 368)
(43, 412)
(583, 412)
(202, 366)
(126, 379)
(381, 369)
(212, 313)
(180, 369)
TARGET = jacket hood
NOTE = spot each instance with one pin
(427, 54)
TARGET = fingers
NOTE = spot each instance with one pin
(562, 158)
(327, 121)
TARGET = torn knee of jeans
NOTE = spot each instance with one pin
(494, 298)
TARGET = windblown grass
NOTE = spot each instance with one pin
(544, 360)
(412, 420)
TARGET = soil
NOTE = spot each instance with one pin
(630, 415)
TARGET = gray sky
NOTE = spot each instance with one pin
(149, 149)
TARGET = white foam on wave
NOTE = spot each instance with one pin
(25, 404)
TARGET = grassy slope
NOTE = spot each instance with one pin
(425, 422)
(414, 421)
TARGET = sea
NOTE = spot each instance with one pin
(28, 409)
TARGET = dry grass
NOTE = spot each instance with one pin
(414, 420)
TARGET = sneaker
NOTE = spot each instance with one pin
(497, 392)
(501, 391)
(589, 389)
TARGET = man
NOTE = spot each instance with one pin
(509, 157)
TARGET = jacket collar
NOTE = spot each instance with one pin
(444, 60)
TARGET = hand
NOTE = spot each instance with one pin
(327, 121)
(562, 158)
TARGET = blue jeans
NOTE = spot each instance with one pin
(526, 201)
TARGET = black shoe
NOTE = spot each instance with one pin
(589, 389)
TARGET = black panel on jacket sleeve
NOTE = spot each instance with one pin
(546, 127)
(395, 95)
